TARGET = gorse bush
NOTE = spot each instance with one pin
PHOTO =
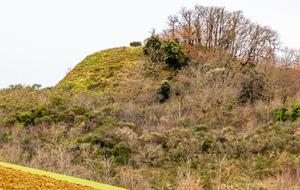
(135, 44)
(295, 111)
(175, 58)
(183, 122)
(281, 114)
(163, 91)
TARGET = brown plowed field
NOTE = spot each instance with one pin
(15, 179)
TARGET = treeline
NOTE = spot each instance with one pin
(215, 27)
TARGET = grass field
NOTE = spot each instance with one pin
(62, 177)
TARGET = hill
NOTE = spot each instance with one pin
(185, 111)
(101, 70)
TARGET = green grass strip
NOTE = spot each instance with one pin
(62, 177)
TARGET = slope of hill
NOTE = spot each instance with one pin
(101, 70)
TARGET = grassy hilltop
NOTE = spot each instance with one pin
(200, 106)
(101, 70)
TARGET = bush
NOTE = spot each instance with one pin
(87, 139)
(10, 121)
(154, 43)
(207, 144)
(126, 124)
(56, 101)
(200, 127)
(96, 140)
(172, 53)
(183, 122)
(281, 114)
(135, 44)
(295, 111)
(121, 153)
(163, 91)
(175, 57)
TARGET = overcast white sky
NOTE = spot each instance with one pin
(41, 39)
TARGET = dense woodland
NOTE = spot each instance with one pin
(212, 102)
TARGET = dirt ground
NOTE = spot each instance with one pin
(14, 179)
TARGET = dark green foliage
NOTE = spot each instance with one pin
(78, 140)
(45, 119)
(77, 109)
(121, 153)
(56, 101)
(87, 139)
(281, 114)
(154, 42)
(170, 52)
(295, 111)
(96, 140)
(39, 112)
(163, 91)
(135, 44)
(207, 145)
(175, 57)
(67, 116)
(183, 122)
(200, 127)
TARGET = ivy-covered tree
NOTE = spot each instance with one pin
(153, 44)
(168, 51)
(163, 91)
(175, 57)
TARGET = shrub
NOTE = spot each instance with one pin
(77, 109)
(126, 124)
(281, 114)
(163, 91)
(45, 119)
(78, 139)
(154, 43)
(56, 101)
(183, 122)
(87, 138)
(39, 112)
(207, 144)
(10, 121)
(121, 153)
(171, 52)
(96, 140)
(175, 57)
(67, 116)
(201, 127)
(295, 111)
(135, 44)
